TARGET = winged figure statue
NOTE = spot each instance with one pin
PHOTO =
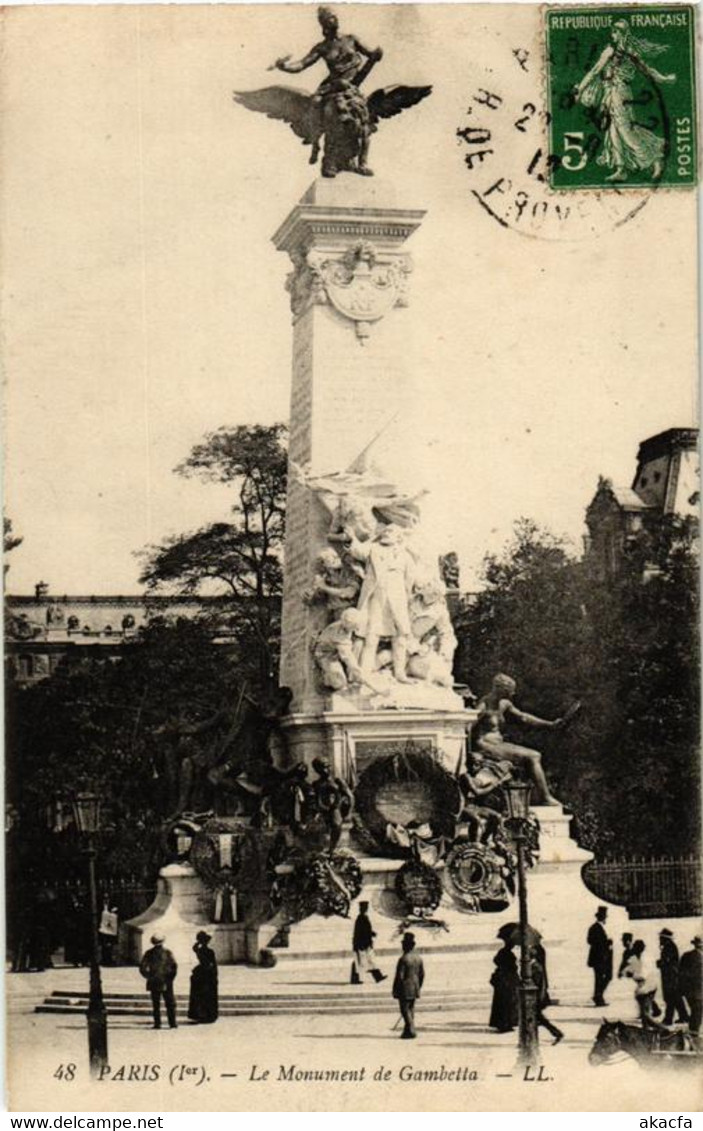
(337, 112)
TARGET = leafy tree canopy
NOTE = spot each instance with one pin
(10, 541)
(107, 724)
(627, 649)
(239, 560)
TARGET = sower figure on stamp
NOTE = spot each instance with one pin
(600, 956)
(407, 984)
(159, 968)
(362, 944)
(628, 146)
(668, 963)
(496, 710)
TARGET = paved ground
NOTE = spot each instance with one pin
(222, 1067)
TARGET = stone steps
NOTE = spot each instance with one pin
(260, 1005)
(346, 1000)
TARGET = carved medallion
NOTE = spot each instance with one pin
(362, 284)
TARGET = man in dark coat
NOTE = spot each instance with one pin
(159, 968)
(362, 944)
(600, 956)
(409, 976)
(691, 982)
(627, 941)
(668, 963)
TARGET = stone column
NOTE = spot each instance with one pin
(348, 292)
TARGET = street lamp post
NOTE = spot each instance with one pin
(86, 812)
(518, 802)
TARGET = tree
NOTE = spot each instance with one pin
(241, 559)
(626, 647)
(109, 723)
(10, 541)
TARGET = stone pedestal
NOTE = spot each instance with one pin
(350, 740)
(180, 909)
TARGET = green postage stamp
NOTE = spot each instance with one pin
(622, 96)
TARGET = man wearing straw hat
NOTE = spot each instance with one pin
(159, 968)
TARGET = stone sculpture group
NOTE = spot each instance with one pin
(388, 621)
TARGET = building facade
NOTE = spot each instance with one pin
(666, 482)
(41, 629)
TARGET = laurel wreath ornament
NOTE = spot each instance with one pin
(205, 855)
(320, 885)
(421, 790)
(419, 887)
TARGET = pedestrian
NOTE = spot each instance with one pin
(645, 987)
(407, 984)
(542, 997)
(600, 956)
(627, 940)
(159, 968)
(505, 982)
(691, 982)
(203, 1003)
(362, 944)
(668, 963)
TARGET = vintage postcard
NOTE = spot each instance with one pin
(351, 494)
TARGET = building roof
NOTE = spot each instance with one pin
(628, 499)
(665, 442)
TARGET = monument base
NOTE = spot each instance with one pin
(351, 739)
(554, 883)
(183, 906)
(181, 909)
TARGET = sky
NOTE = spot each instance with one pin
(144, 303)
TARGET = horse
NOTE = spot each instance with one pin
(617, 1037)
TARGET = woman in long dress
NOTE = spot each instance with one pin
(627, 145)
(203, 1004)
(505, 982)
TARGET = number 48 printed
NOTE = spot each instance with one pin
(65, 1072)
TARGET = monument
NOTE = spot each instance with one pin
(399, 805)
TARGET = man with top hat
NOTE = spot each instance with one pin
(407, 984)
(691, 982)
(362, 944)
(668, 963)
(600, 956)
(159, 968)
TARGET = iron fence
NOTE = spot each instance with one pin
(649, 889)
